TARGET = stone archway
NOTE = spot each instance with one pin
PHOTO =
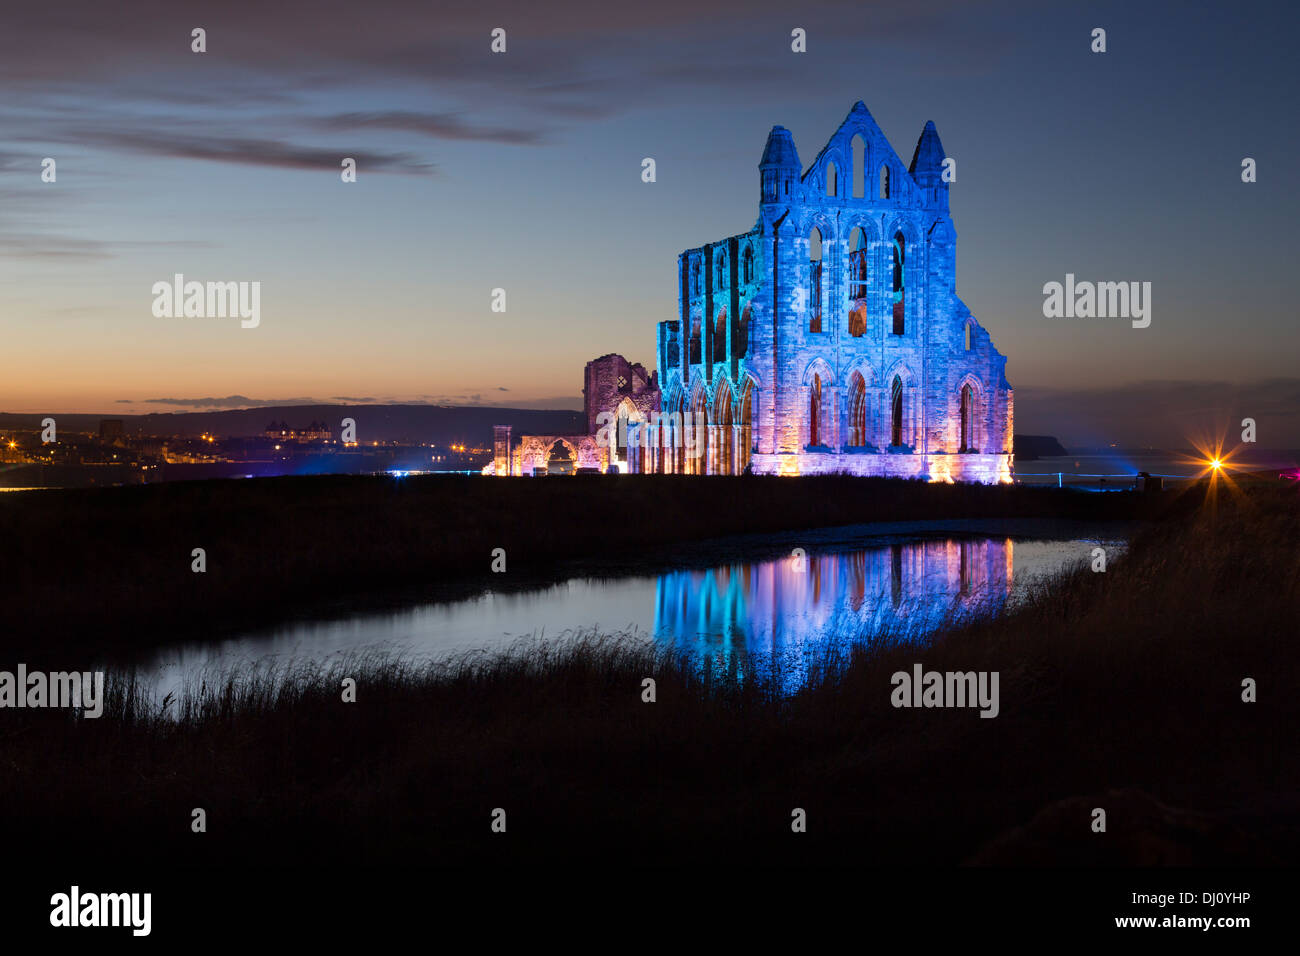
(561, 458)
(533, 457)
(627, 413)
(745, 428)
(724, 439)
(697, 432)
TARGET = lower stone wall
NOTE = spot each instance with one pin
(984, 469)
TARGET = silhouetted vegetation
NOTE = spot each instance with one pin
(114, 565)
(1120, 690)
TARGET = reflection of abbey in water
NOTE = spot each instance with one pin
(795, 603)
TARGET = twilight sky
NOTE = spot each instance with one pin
(522, 171)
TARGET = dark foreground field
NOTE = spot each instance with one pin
(1120, 691)
(91, 568)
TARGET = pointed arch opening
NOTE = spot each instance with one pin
(898, 257)
(815, 280)
(561, 458)
(858, 265)
(896, 412)
(720, 337)
(661, 442)
(697, 429)
(745, 439)
(884, 182)
(967, 418)
(859, 147)
(740, 341)
(747, 265)
(723, 437)
(677, 434)
(815, 412)
(831, 184)
(857, 411)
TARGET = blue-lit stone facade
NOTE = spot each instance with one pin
(829, 337)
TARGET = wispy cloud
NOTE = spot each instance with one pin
(229, 401)
(245, 150)
(59, 248)
(437, 125)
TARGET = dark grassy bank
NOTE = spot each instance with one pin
(106, 565)
(1119, 690)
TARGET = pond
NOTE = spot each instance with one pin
(799, 595)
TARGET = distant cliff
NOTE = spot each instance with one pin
(1030, 447)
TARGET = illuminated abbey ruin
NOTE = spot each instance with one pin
(829, 338)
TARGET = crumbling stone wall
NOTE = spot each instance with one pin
(611, 382)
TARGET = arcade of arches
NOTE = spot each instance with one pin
(698, 436)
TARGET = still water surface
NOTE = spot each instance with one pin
(788, 607)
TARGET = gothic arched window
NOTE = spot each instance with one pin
(857, 412)
(815, 280)
(859, 146)
(967, 419)
(896, 412)
(858, 264)
(898, 304)
(815, 412)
